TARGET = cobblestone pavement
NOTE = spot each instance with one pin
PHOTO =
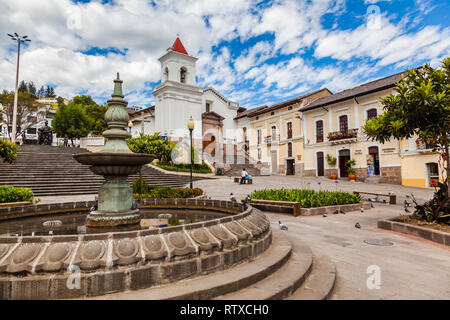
(409, 269)
(221, 188)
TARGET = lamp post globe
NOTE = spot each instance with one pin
(190, 126)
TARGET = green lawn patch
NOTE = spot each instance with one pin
(198, 168)
(307, 198)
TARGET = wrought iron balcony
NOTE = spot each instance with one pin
(270, 139)
(341, 135)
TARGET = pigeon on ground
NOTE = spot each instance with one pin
(357, 225)
(136, 204)
(282, 226)
(341, 211)
(325, 215)
(247, 199)
(362, 210)
(371, 205)
(336, 212)
(406, 210)
(407, 204)
(384, 200)
(232, 197)
(94, 206)
(407, 196)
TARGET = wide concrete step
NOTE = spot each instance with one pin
(281, 283)
(320, 283)
(219, 283)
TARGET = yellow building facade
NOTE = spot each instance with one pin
(296, 137)
(275, 136)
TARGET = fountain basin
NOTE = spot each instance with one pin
(114, 159)
(115, 197)
(128, 260)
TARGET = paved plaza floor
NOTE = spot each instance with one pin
(411, 268)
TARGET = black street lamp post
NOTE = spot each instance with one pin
(191, 128)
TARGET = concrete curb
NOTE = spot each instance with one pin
(425, 233)
(281, 283)
(312, 211)
(320, 282)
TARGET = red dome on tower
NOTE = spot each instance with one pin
(178, 46)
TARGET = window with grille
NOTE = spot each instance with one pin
(289, 149)
(343, 123)
(319, 131)
(289, 130)
(371, 113)
(259, 136)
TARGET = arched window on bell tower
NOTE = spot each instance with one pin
(183, 72)
(166, 74)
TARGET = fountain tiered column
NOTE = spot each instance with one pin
(115, 162)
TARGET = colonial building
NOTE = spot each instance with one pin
(178, 98)
(274, 134)
(333, 126)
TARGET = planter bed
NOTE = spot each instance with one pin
(294, 208)
(15, 204)
(427, 233)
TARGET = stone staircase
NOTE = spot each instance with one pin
(49, 170)
(286, 270)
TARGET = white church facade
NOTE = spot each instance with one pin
(178, 98)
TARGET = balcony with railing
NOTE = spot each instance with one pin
(342, 136)
(272, 139)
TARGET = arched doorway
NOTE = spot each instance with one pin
(344, 156)
(320, 164)
(209, 145)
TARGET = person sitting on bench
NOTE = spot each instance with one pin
(244, 175)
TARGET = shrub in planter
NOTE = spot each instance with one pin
(167, 192)
(307, 198)
(350, 171)
(437, 209)
(140, 186)
(8, 151)
(15, 194)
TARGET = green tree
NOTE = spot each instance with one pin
(95, 113)
(27, 107)
(152, 144)
(71, 121)
(421, 107)
(50, 92)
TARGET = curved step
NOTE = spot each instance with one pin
(218, 283)
(281, 283)
(320, 282)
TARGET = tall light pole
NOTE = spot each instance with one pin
(190, 125)
(19, 39)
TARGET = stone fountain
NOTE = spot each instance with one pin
(115, 162)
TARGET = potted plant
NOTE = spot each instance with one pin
(350, 170)
(332, 163)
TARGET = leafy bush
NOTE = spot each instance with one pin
(331, 160)
(140, 186)
(306, 197)
(184, 167)
(167, 192)
(8, 151)
(437, 209)
(15, 194)
(152, 144)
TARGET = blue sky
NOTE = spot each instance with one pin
(253, 52)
